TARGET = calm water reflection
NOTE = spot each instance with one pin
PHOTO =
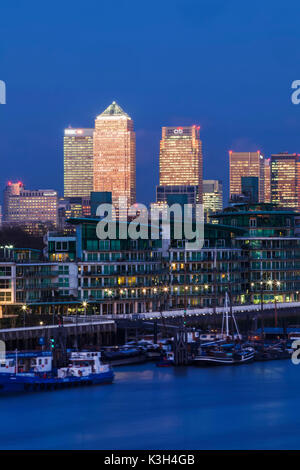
(254, 406)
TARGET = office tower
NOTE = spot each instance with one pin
(165, 194)
(72, 207)
(98, 198)
(212, 197)
(11, 189)
(246, 164)
(114, 155)
(180, 157)
(78, 162)
(29, 208)
(267, 182)
(250, 185)
(285, 181)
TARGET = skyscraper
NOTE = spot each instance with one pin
(11, 189)
(285, 183)
(267, 182)
(212, 197)
(250, 190)
(165, 193)
(30, 208)
(114, 154)
(246, 164)
(180, 158)
(78, 162)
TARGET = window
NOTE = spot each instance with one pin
(5, 271)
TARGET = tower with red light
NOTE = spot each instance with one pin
(180, 157)
(246, 164)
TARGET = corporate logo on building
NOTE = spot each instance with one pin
(2, 92)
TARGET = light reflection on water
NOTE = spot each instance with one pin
(253, 406)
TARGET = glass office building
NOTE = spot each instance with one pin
(246, 164)
(180, 158)
(114, 155)
(78, 162)
(285, 180)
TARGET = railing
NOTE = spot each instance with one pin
(179, 313)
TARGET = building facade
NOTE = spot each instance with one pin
(250, 188)
(115, 155)
(180, 158)
(285, 180)
(252, 253)
(212, 197)
(78, 162)
(246, 164)
(165, 194)
(267, 182)
(72, 207)
(272, 249)
(30, 208)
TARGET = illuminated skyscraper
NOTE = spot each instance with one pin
(267, 182)
(114, 154)
(11, 189)
(246, 164)
(212, 197)
(30, 208)
(180, 158)
(285, 180)
(78, 162)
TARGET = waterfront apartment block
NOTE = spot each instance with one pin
(272, 249)
(252, 253)
(180, 157)
(246, 164)
(78, 162)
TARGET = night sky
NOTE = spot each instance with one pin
(225, 65)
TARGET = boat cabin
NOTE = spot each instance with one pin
(33, 362)
(82, 364)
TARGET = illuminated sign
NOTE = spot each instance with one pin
(73, 131)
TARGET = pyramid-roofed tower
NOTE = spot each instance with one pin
(113, 110)
(114, 155)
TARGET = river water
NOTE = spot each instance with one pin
(252, 406)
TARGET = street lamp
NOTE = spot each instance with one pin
(24, 308)
(84, 304)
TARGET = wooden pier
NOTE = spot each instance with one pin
(96, 333)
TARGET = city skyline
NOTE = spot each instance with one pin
(84, 132)
(241, 111)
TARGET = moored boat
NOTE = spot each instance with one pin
(221, 351)
(224, 354)
(167, 360)
(84, 368)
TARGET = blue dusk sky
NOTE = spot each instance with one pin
(224, 65)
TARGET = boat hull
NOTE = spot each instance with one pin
(218, 361)
(12, 383)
